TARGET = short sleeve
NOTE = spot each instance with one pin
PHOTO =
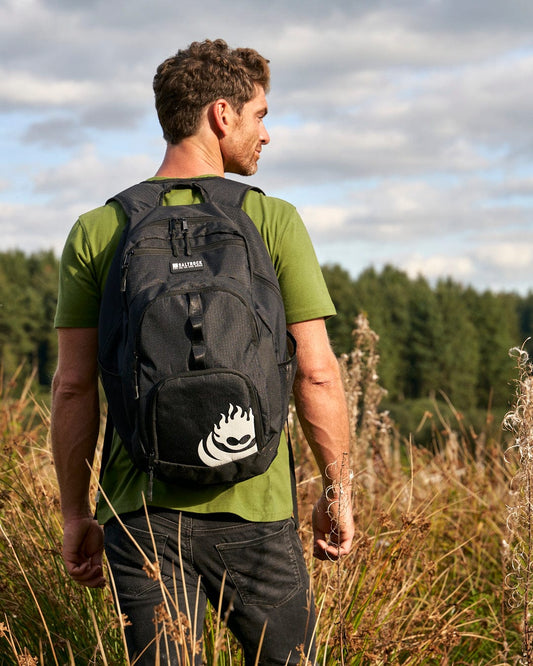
(78, 299)
(304, 291)
(85, 262)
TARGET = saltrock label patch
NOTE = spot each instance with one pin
(183, 266)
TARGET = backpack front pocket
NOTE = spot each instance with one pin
(208, 419)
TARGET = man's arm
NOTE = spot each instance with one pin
(74, 430)
(322, 412)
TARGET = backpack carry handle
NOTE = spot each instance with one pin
(184, 185)
(144, 196)
(214, 189)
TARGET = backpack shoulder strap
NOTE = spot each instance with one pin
(139, 199)
(225, 191)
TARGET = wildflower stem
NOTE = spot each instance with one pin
(528, 645)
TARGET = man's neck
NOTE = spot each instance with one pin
(189, 159)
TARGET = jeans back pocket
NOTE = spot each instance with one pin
(264, 569)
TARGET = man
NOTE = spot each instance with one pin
(236, 543)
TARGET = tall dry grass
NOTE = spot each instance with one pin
(424, 584)
(44, 618)
(519, 550)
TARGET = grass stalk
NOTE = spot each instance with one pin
(30, 588)
(422, 586)
(520, 519)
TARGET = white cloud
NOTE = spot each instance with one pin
(62, 193)
(89, 178)
(325, 219)
(401, 130)
(42, 228)
(26, 89)
(440, 265)
(510, 257)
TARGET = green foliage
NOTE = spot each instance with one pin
(425, 340)
(443, 339)
(427, 421)
(344, 298)
(459, 353)
(384, 299)
(28, 288)
(497, 324)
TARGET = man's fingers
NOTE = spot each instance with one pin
(90, 576)
(324, 550)
(88, 573)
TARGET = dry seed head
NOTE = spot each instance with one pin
(518, 555)
(121, 620)
(26, 659)
(151, 569)
(339, 491)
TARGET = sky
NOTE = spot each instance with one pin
(402, 131)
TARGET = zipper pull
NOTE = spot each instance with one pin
(136, 375)
(124, 269)
(185, 234)
(173, 239)
(150, 478)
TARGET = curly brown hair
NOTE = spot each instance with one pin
(187, 82)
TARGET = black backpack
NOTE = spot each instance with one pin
(195, 359)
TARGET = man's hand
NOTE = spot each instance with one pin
(74, 430)
(83, 545)
(323, 415)
(333, 528)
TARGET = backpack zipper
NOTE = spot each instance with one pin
(124, 269)
(174, 233)
(150, 493)
(173, 239)
(183, 231)
(127, 260)
(136, 374)
(185, 234)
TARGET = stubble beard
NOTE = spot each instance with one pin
(251, 170)
(246, 169)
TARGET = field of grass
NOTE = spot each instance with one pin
(439, 572)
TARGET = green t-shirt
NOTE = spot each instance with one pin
(85, 262)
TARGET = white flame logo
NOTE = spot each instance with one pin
(233, 437)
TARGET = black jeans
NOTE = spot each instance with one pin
(266, 595)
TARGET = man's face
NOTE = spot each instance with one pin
(243, 145)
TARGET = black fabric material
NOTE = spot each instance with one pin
(193, 349)
(255, 572)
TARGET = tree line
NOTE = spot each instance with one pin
(445, 337)
(28, 296)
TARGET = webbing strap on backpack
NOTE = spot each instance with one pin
(294, 487)
(106, 451)
(197, 337)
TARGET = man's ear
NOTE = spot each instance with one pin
(223, 116)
